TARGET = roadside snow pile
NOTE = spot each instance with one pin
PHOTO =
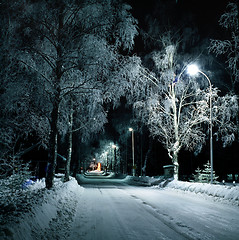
(143, 180)
(229, 193)
(136, 181)
(49, 211)
(16, 197)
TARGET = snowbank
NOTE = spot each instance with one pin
(218, 192)
(51, 211)
(143, 180)
(36, 212)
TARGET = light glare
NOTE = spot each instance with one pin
(192, 69)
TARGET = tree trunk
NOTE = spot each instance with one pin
(176, 165)
(237, 123)
(176, 123)
(69, 150)
(52, 154)
(115, 160)
(147, 157)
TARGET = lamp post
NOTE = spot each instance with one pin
(94, 164)
(114, 147)
(106, 161)
(133, 168)
(193, 70)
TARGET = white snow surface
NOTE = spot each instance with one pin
(226, 193)
(50, 209)
(73, 211)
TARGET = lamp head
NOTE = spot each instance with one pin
(192, 69)
(131, 129)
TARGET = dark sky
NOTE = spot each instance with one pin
(204, 14)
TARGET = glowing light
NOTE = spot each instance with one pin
(131, 129)
(98, 167)
(192, 69)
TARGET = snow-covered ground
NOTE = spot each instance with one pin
(37, 212)
(222, 193)
(228, 193)
(104, 208)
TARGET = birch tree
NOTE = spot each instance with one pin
(177, 109)
(71, 49)
(86, 118)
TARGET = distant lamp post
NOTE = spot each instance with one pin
(114, 147)
(106, 161)
(133, 168)
(193, 69)
(94, 164)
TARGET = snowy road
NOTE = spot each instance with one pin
(112, 210)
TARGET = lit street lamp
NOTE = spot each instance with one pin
(193, 70)
(133, 169)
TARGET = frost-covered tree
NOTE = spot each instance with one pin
(204, 175)
(196, 176)
(13, 116)
(176, 109)
(230, 47)
(106, 153)
(71, 49)
(86, 119)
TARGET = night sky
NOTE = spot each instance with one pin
(203, 15)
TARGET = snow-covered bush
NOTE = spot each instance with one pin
(13, 190)
(41, 213)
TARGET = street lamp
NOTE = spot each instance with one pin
(114, 147)
(133, 169)
(193, 69)
(106, 161)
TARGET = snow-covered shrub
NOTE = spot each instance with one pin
(12, 194)
(196, 176)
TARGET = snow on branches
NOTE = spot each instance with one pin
(178, 109)
(229, 20)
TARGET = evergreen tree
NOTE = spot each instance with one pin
(204, 175)
(196, 176)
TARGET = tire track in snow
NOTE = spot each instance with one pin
(169, 221)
